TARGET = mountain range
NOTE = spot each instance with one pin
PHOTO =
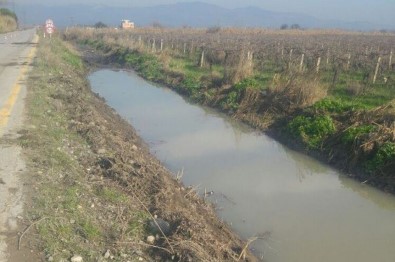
(196, 14)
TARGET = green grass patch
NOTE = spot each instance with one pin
(311, 130)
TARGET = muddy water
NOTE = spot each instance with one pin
(306, 211)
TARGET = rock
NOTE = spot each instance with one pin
(50, 259)
(105, 163)
(151, 240)
(164, 226)
(76, 258)
(101, 151)
(134, 148)
(107, 254)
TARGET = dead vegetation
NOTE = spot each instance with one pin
(96, 184)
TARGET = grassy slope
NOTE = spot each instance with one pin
(350, 124)
(8, 21)
(95, 182)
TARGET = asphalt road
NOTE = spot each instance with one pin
(17, 50)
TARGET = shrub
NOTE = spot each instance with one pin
(246, 82)
(336, 106)
(354, 133)
(384, 156)
(311, 130)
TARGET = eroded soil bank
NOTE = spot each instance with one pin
(96, 186)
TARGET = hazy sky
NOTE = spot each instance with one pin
(376, 11)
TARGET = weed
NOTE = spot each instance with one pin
(311, 130)
(331, 105)
(354, 133)
(384, 156)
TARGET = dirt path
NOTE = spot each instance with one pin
(16, 54)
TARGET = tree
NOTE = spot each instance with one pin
(284, 27)
(100, 25)
(295, 26)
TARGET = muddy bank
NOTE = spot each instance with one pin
(98, 188)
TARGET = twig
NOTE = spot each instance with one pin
(27, 229)
(249, 242)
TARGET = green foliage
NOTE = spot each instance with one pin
(231, 101)
(384, 156)
(148, 65)
(72, 59)
(191, 84)
(353, 133)
(247, 82)
(336, 105)
(311, 130)
(88, 230)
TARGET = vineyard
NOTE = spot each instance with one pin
(332, 91)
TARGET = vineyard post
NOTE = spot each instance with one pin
(250, 59)
(140, 41)
(318, 64)
(377, 70)
(161, 45)
(202, 59)
(327, 56)
(185, 48)
(348, 61)
(153, 46)
(390, 62)
(301, 63)
(191, 51)
(282, 53)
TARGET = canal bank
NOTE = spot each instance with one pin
(355, 140)
(306, 211)
(96, 188)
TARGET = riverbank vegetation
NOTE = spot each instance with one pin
(332, 92)
(98, 193)
(8, 20)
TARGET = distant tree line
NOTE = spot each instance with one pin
(293, 26)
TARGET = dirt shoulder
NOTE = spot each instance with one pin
(97, 188)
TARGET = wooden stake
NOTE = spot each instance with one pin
(153, 45)
(250, 59)
(318, 64)
(327, 57)
(161, 45)
(301, 63)
(202, 59)
(377, 70)
(348, 61)
(390, 62)
(290, 58)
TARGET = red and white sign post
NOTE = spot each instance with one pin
(49, 27)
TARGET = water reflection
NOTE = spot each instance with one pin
(311, 212)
